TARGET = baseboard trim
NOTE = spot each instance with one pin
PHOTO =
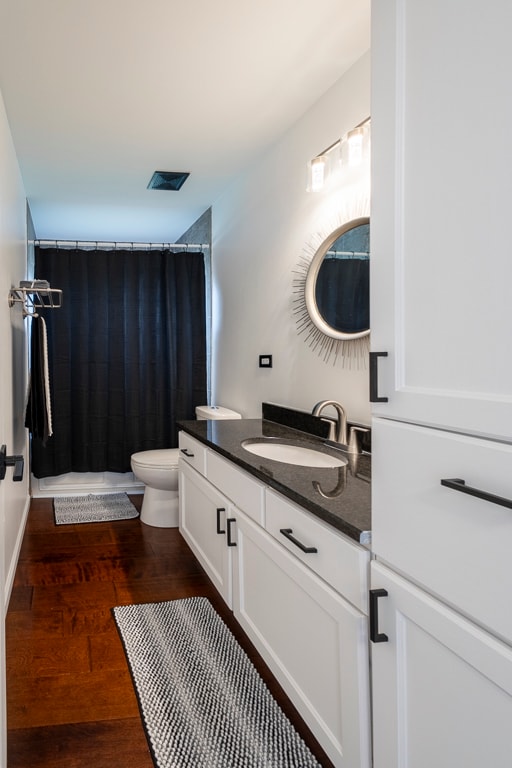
(9, 579)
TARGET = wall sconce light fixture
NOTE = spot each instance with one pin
(318, 172)
(348, 152)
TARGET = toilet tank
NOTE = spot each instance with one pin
(215, 412)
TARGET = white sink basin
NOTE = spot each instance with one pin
(292, 454)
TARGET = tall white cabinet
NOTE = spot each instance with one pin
(441, 197)
(441, 383)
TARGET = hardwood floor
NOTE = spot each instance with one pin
(70, 699)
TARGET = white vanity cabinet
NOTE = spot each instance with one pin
(441, 382)
(304, 611)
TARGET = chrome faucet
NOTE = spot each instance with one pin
(340, 435)
(354, 445)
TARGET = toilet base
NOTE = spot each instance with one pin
(160, 508)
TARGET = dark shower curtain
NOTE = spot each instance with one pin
(127, 354)
(342, 294)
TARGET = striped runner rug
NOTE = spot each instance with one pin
(202, 701)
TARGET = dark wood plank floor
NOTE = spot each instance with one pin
(70, 699)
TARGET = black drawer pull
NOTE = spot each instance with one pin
(374, 377)
(219, 510)
(229, 521)
(186, 452)
(375, 635)
(287, 533)
(460, 485)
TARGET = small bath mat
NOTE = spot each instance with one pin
(202, 701)
(94, 508)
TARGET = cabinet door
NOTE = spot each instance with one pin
(312, 639)
(203, 515)
(442, 687)
(441, 190)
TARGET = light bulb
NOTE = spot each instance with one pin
(355, 146)
(318, 172)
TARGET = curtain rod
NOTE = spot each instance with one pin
(106, 245)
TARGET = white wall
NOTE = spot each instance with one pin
(14, 498)
(13, 383)
(261, 225)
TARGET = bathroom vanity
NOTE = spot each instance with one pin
(282, 544)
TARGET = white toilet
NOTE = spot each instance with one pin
(158, 470)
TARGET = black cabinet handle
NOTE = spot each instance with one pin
(374, 377)
(460, 485)
(186, 452)
(219, 510)
(287, 533)
(229, 521)
(375, 635)
(11, 461)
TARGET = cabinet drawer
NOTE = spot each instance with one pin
(246, 493)
(193, 452)
(338, 561)
(455, 545)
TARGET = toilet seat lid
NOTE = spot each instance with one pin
(162, 458)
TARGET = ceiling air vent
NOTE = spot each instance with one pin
(169, 180)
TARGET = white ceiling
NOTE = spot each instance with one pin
(101, 93)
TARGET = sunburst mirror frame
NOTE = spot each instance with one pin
(350, 348)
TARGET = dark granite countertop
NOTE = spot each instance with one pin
(339, 496)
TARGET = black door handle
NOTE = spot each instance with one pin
(375, 635)
(17, 462)
(186, 452)
(460, 485)
(374, 377)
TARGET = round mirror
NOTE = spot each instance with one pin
(337, 287)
